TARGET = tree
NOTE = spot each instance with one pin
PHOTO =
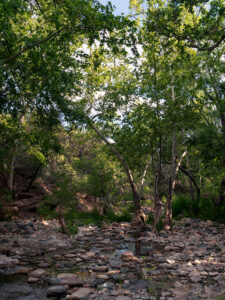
(42, 60)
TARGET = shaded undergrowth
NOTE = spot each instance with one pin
(205, 208)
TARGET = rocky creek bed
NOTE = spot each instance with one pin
(117, 261)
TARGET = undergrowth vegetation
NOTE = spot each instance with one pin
(75, 218)
(183, 206)
(205, 209)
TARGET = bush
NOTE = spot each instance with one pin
(46, 210)
(210, 211)
(182, 205)
(206, 209)
(73, 216)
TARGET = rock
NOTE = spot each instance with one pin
(213, 274)
(181, 292)
(196, 278)
(5, 261)
(70, 255)
(61, 275)
(123, 298)
(127, 254)
(3, 229)
(116, 292)
(209, 223)
(71, 281)
(208, 291)
(82, 293)
(56, 290)
(170, 261)
(33, 279)
(38, 273)
(100, 268)
(78, 259)
(105, 277)
(53, 281)
(90, 254)
(23, 270)
(188, 222)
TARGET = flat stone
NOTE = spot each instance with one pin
(123, 298)
(5, 261)
(80, 294)
(33, 279)
(53, 281)
(71, 281)
(56, 290)
(70, 255)
(38, 273)
(90, 254)
(23, 270)
(100, 268)
(213, 274)
(62, 275)
(102, 276)
(127, 254)
(116, 292)
(180, 293)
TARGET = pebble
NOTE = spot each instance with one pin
(186, 265)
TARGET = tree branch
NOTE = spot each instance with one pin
(33, 45)
(209, 48)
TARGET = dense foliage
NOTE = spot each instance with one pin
(129, 110)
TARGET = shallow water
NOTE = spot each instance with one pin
(16, 286)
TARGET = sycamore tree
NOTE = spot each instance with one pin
(107, 97)
(25, 145)
(163, 81)
(41, 54)
(42, 60)
(206, 92)
(172, 34)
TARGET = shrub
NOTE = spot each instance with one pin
(182, 205)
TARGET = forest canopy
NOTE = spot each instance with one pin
(129, 109)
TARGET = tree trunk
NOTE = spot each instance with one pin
(190, 181)
(171, 184)
(59, 210)
(158, 203)
(11, 172)
(143, 177)
(136, 196)
(222, 183)
(198, 191)
(169, 214)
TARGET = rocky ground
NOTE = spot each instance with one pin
(118, 262)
